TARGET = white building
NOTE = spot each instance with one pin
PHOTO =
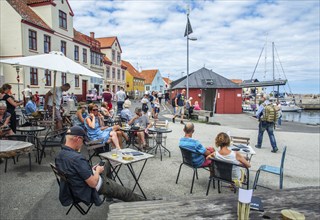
(30, 27)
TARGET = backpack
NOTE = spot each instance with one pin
(270, 113)
(173, 102)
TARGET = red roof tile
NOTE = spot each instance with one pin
(107, 42)
(27, 13)
(78, 36)
(237, 81)
(106, 60)
(167, 80)
(149, 75)
(133, 71)
(29, 2)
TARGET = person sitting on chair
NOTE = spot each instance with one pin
(224, 153)
(79, 117)
(96, 130)
(142, 121)
(188, 143)
(31, 107)
(4, 120)
(87, 182)
(94, 124)
(125, 113)
(104, 110)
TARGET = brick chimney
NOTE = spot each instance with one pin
(92, 34)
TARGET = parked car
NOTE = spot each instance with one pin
(92, 96)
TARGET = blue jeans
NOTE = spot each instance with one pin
(269, 126)
(120, 106)
(279, 120)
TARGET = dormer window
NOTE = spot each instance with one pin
(209, 81)
(62, 19)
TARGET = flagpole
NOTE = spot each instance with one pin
(187, 54)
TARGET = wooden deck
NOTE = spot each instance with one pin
(224, 206)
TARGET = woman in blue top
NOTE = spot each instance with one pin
(96, 130)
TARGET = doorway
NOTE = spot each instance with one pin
(84, 89)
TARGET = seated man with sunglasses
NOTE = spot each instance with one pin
(87, 182)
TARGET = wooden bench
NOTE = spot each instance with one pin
(240, 140)
(204, 113)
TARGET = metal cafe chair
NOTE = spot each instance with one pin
(61, 176)
(272, 169)
(222, 172)
(187, 160)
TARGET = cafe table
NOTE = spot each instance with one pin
(223, 206)
(12, 148)
(131, 134)
(119, 157)
(31, 130)
(244, 149)
(159, 133)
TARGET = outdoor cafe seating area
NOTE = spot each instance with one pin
(134, 170)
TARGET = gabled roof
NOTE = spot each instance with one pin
(133, 71)
(79, 37)
(27, 14)
(167, 80)
(107, 42)
(106, 60)
(204, 78)
(148, 75)
(35, 3)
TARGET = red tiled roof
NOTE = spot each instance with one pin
(107, 42)
(237, 81)
(27, 13)
(29, 2)
(148, 75)
(167, 80)
(106, 60)
(78, 36)
(133, 71)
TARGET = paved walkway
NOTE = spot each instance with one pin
(34, 195)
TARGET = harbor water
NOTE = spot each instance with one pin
(305, 116)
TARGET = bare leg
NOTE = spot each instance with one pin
(114, 139)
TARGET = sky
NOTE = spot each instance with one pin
(230, 37)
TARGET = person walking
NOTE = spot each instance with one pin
(179, 103)
(48, 103)
(120, 97)
(267, 115)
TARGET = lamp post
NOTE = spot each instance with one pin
(18, 80)
(193, 39)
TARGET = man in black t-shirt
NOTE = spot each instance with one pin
(179, 103)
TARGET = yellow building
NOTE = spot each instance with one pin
(134, 81)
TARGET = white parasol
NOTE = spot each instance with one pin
(54, 61)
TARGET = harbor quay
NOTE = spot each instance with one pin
(34, 194)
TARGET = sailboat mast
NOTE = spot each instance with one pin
(273, 63)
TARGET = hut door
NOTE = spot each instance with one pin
(208, 101)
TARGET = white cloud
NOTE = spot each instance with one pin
(230, 34)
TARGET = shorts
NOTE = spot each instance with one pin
(57, 113)
(180, 110)
(208, 162)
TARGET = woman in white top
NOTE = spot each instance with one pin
(224, 153)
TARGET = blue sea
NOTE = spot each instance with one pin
(306, 116)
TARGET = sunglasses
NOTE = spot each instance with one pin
(94, 110)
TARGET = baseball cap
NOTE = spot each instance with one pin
(77, 131)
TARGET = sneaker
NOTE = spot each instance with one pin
(274, 150)
(173, 120)
(181, 122)
(257, 146)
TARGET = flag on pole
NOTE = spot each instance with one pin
(188, 28)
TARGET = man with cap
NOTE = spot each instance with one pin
(87, 182)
